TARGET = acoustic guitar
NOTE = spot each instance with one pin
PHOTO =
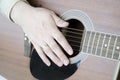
(84, 42)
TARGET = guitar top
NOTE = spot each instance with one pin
(91, 42)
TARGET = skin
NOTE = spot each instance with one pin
(40, 25)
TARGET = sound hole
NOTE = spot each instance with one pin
(73, 34)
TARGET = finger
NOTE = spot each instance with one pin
(42, 56)
(60, 38)
(57, 50)
(59, 22)
(49, 53)
(52, 56)
(63, 42)
(40, 53)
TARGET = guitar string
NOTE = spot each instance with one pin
(75, 30)
(108, 54)
(64, 31)
(78, 34)
(72, 29)
(93, 47)
(102, 55)
(80, 39)
(109, 49)
(75, 33)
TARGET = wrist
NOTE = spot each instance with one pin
(19, 10)
(6, 6)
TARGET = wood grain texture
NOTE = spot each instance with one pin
(105, 16)
(13, 65)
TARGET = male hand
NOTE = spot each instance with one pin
(40, 25)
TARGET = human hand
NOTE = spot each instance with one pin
(40, 25)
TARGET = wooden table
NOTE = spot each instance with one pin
(105, 16)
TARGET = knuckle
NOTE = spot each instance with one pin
(61, 55)
(59, 36)
(47, 49)
(52, 56)
(54, 46)
(54, 59)
(44, 59)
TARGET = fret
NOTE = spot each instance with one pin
(105, 45)
(102, 44)
(91, 42)
(95, 38)
(83, 41)
(111, 46)
(117, 49)
(88, 48)
(86, 40)
(114, 47)
(108, 45)
(119, 56)
(98, 40)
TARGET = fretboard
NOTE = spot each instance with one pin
(102, 44)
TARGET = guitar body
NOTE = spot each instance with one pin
(104, 18)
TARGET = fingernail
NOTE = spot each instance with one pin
(66, 23)
(66, 62)
(48, 64)
(70, 51)
(60, 64)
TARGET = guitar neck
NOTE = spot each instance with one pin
(102, 44)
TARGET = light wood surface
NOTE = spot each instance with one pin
(105, 16)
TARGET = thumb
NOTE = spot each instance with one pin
(59, 22)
